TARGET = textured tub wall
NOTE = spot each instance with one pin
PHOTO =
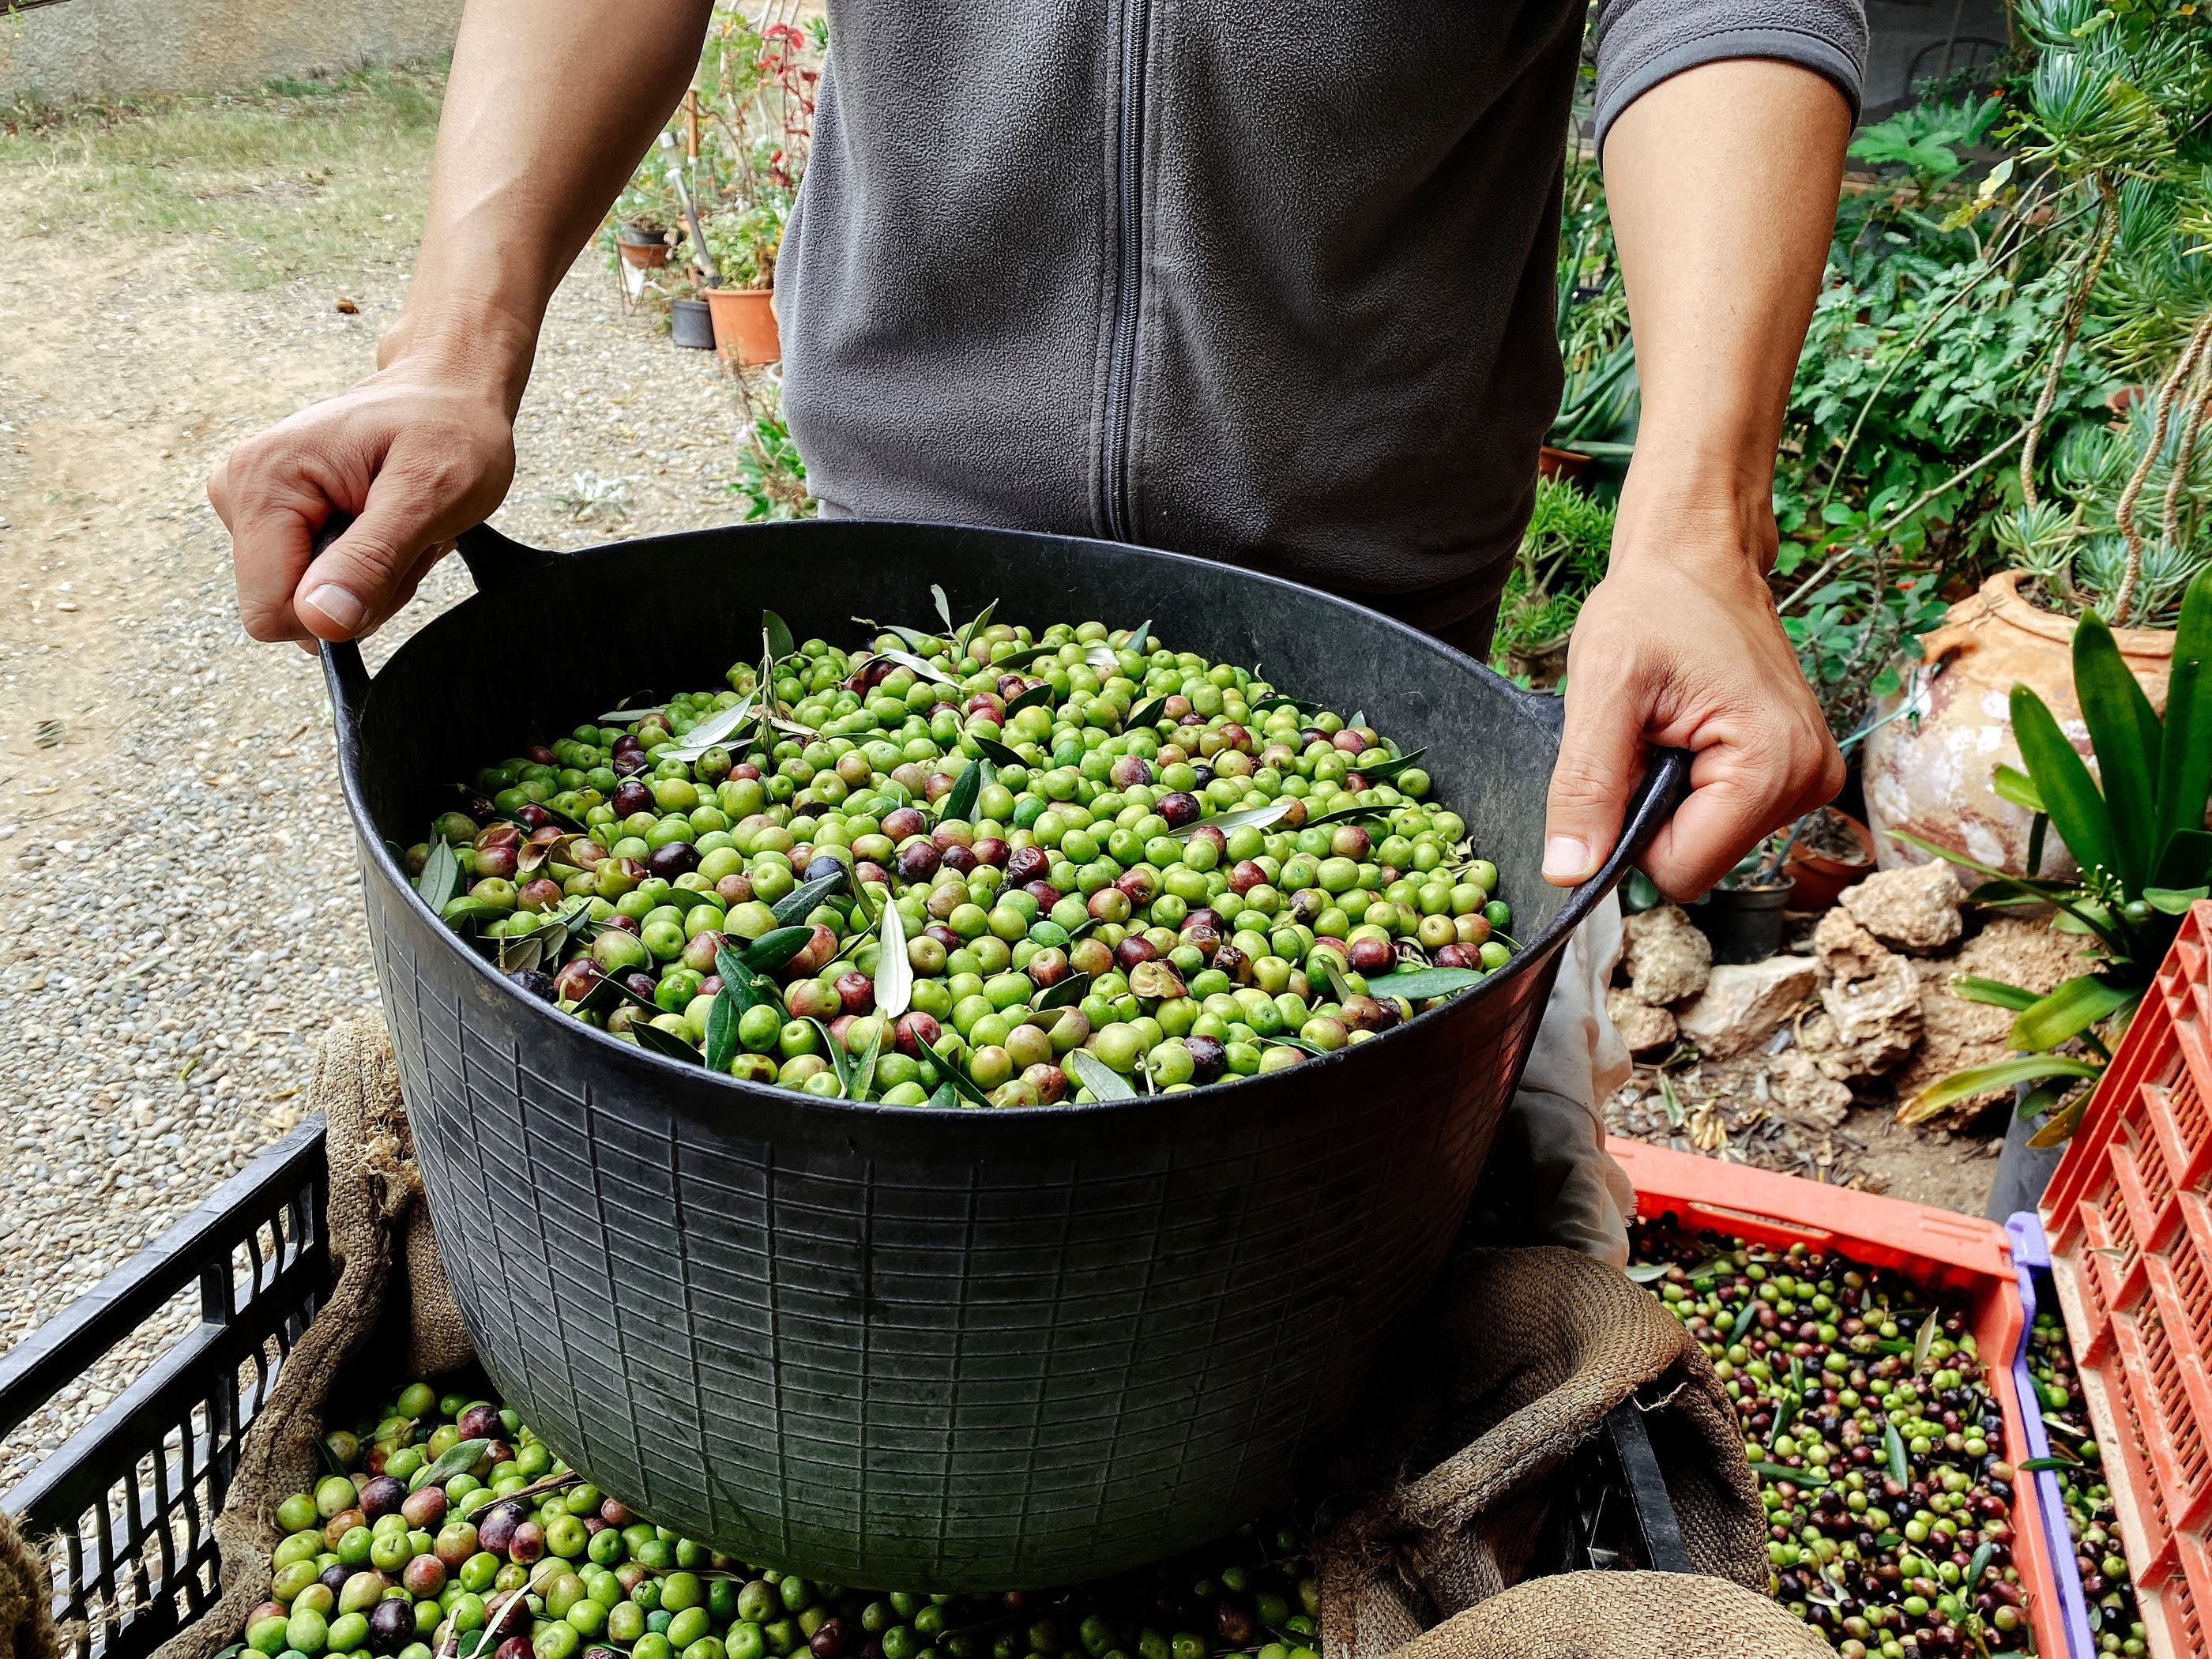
(118, 48)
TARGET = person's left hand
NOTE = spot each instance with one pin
(1680, 648)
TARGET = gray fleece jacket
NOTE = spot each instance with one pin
(1269, 281)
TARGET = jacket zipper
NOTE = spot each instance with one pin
(1129, 254)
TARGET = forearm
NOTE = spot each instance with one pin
(1723, 182)
(549, 105)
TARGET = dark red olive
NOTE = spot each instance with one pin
(640, 982)
(1043, 892)
(1178, 809)
(901, 822)
(678, 858)
(1130, 771)
(734, 889)
(914, 1028)
(992, 851)
(1245, 877)
(390, 1625)
(333, 1578)
(631, 796)
(1049, 1081)
(384, 1495)
(1371, 957)
(827, 1641)
(532, 982)
(918, 861)
(960, 860)
(1133, 951)
(1048, 968)
(1458, 955)
(1208, 1056)
(856, 991)
(496, 1527)
(1025, 865)
(630, 761)
(1140, 886)
(515, 1647)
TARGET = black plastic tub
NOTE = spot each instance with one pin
(888, 1346)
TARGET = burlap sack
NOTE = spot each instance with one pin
(383, 1257)
(1622, 1615)
(1519, 1356)
(26, 1623)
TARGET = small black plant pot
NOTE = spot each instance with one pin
(691, 323)
(1743, 923)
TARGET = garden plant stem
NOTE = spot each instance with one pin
(2124, 601)
(2108, 223)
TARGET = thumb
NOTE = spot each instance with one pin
(350, 585)
(1600, 760)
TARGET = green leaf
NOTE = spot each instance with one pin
(713, 732)
(462, 1456)
(1972, 987)
(777, 633)
(2086, 917)
(1344, 814)
(921, 667)
(664, 1042)
(944, 606)
(1390, 769)
(894, 974)
(722, 1029)
(799, 903)
(2067, 790)
(1900, 1468)
(1746, 1314)
(952, 1076)
(1144, 714)
(607, 990)
(2185, 769)
(992, 749)
(2187, 859)
(1417, 984)
(2072, 1008)
(440, 880)
(774, 948)
(864, 1068)
(2128, 739)
(2014, 784)
(1258, 816)
(2000, 1074)
(1280, 700)
(1930, 1328)
(946, 1095)
(2041, 1098)
(738, 981)
(1037, 696)
(1096, 1075)
(960, 800)
(2037, 1465)
(1136, 638)
(839, 1061)
(1066, 995)
(1301, 1044)
(1338, 987)
(2174, 901)
(2039, 831)
(1648, 1273)
(982, 621)
(913, 637)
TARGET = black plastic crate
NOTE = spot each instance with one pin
(134, 1493)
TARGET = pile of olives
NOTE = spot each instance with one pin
(1878, 1445)
(2115, 1621)
(453, 1532)
(979, 867)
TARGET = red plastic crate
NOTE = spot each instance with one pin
(2129, 1215)
(1957, 1253)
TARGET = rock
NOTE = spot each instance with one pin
(1667, 958)
(1915, 909)
(1644, 1027)
(1741, 1005)
(1806, 1094)
(1875, 1022)
(1955, 1033)
(1846, 951)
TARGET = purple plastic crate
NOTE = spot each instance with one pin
(2031, 1263)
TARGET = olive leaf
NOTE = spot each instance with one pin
(775, 633)
(794, 727)
(607, 990)
(1135, 640)
(946, 1095)
(921, 667)
(894, 976)
(722, 1029)
(1258, 817)
(1338, 987)
(1390, 769)
(1300, 1044)
(1096, 1075)
(1795, 1477)
(1280, 699)
(1649, 1273)
(739, 984)
(1979, 1564)
(441, 875)
(864, 1068)
(515, 954)
(1022, 658)
(1901, 1469)
(968, 633)
(1344, 814)
(1066, 995)
(627, 715)
(913, 637)
(713, 732)
(1036, 697)
(1144, 714)
(952, 1076)
(664, 1042)
(944, 606)
(960, 800)
(2037, 1465)
(839, 1061)
(1749, 1311)
(773, 949)
(799, 903)
(458, 1459)
(1417, 984)
(992, 750)
(1103, 656)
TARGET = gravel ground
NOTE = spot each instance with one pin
(183, 909)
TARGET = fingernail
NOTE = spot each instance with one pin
(1565, 859)
(340, 606)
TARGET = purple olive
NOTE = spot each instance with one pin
(496, 1527)
(533, 983)
(384, 1495)
(1025, 865)
(1209, 1055)
(677, 858)
(390, 1625)
(1178, 809)
(918, 861)
(480, 1421)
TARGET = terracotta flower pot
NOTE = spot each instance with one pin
(1821, 877)
(1928, 773)
(643, 256)
(745, 324)
(1560, 463)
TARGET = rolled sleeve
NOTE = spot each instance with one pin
(1641, 42)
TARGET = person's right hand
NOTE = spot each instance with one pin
(417, 453)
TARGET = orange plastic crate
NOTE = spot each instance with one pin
(1962, 1254)
(2128, 1216)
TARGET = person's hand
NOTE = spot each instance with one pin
(1680, 648)
(417, 452)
